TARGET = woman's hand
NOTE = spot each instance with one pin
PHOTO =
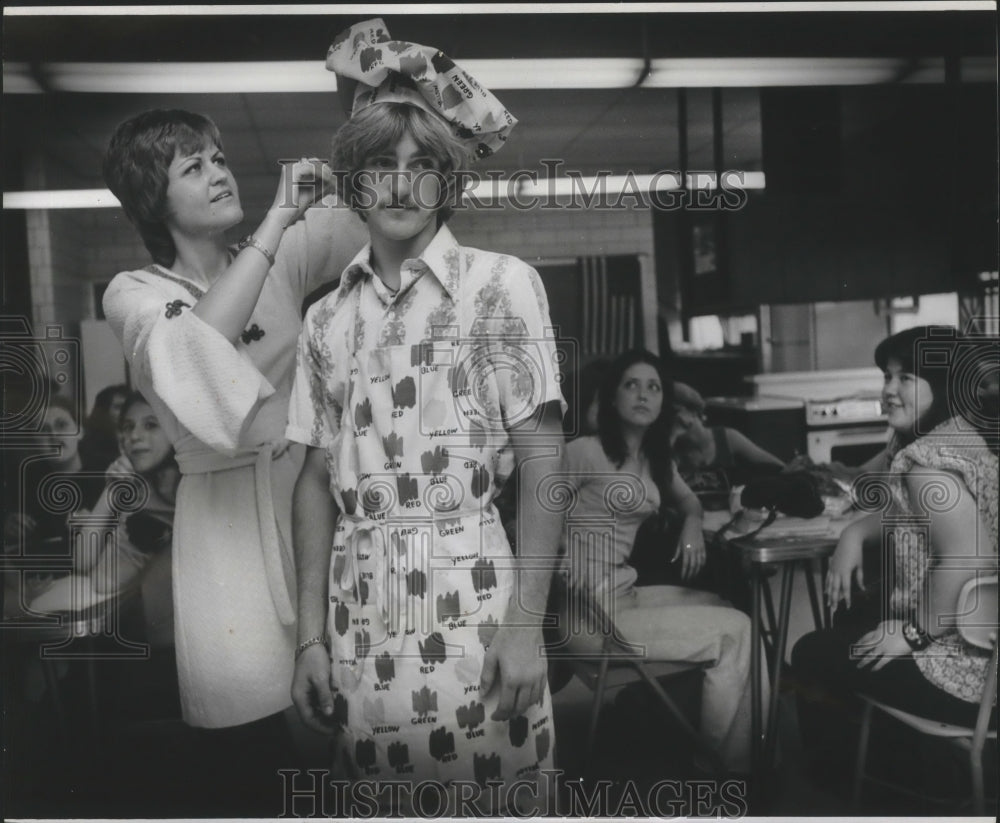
(882, 645)
(844, 565)
(301, 185)
(120, 465)
(691, 552)
(514, 665)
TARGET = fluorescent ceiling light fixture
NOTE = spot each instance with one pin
(733, 179)
(541, 73)
(60, 199)
(191, 77)
(305, 76)
(17, 79)
(711, 72)
(764, 71)
(556, 73)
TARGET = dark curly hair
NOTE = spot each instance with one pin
(136, 164)
(656, 441)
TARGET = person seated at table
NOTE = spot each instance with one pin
(33, 524)
(142, 553)
(712, 459)
(625, 472)
(145, 694)
(99, 445)
(943, 473)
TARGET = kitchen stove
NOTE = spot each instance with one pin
(847, 430)
(844, 419)
(844, 410)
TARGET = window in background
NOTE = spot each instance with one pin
(925, 310)
(979, 310)
(711, 331)
(705, 332)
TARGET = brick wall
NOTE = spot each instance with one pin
(96, 244)
(114, 245)
(542, 233)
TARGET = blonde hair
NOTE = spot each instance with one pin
(379, 127)
(688, 398)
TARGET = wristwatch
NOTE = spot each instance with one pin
(915, 637)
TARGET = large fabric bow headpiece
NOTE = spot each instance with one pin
(393, 71)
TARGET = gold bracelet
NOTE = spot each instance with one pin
(312, 641)
(253, 243)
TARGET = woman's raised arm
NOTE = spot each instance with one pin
(230, 301)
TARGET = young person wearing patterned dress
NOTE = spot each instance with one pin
(413, 398)
(939, 528)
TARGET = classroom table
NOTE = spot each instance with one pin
(787, 544)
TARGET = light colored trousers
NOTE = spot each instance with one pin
(685, 625)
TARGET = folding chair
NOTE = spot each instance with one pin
(977, 608)
(605, 660)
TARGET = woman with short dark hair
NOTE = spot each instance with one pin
(209, 332)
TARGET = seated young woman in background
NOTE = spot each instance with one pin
(625, 473)
(150, 768)
(33, 525)
(142, 553)
(943, 473)
(712, 459)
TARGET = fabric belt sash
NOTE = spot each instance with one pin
(206, 462)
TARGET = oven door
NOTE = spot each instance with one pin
(850, 445)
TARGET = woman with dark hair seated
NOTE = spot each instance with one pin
(623, 475)
(939, 528)
(33, 524)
